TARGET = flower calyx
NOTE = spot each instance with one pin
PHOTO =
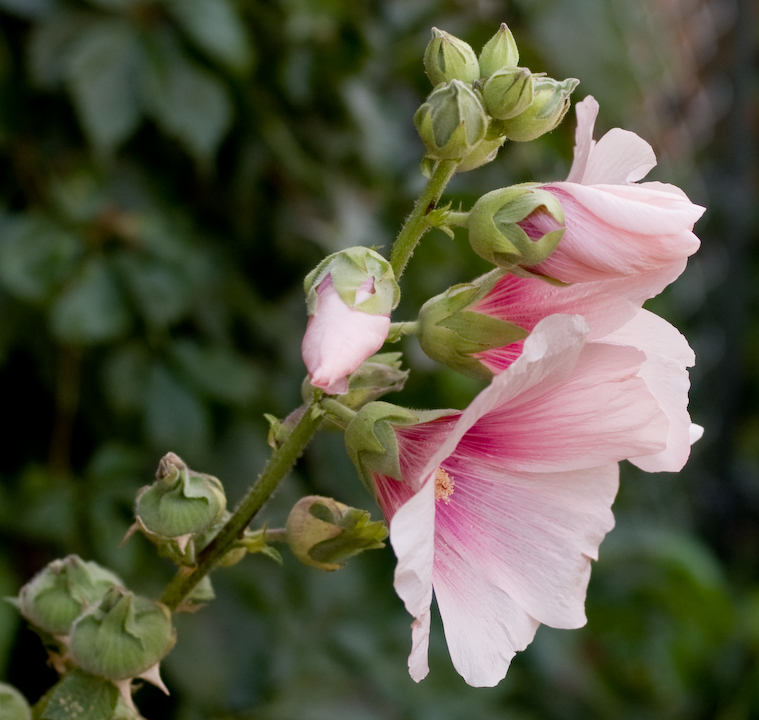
(371, 442)
(324, 533)
(13, 705)
(452, 334)
(495, 233)
(124, 637)
(508, 92)
(56, 596)
(448, 58)
(350, 269)
(452, 122)
(178, 507)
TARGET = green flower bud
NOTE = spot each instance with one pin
(13, 705)
(324, 533)
(500, 51)
(349, 269)
(123, 637)
(60, 593)
(549, 106)
(181, 502)
(484, 153)
(371, 442)
(451, 333)
(495, 233)
(508, 92)
(448, 58)
(452, 122)
(378, 375)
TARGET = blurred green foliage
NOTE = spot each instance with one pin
(169, 172)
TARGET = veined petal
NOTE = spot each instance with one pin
(587, 112)
(484, 627)
(619, 158)
(532, 535)
(667, 357)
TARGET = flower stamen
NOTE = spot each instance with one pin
(444, 485)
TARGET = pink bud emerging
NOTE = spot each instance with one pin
(339, 337)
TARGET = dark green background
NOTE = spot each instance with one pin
(169, 172)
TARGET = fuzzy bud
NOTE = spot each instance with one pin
(549, 106)
(452, 122)
(62, 591)
(324, 533)
(495, 233)
(13, 705)
(123, 637)
(447, 58)
(181, 502)
(508, 92)
(500, 51)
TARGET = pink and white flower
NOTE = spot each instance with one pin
(615, 226)
(339, 338)
(501, 508)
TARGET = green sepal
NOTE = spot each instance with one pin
(495, 235)
(370, 439)
(324, 533)
(181, 502)
(59, 593)
(500, 51)
(485, 152)
(79, 696)
(446, 58)
(349, 269)
(123, 637)
(13, 705)
(451, 334)
(508, 92)
(549, 106)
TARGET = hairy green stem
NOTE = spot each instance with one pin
(279, 464)
(416, 224)
(337, 412)
(457, 219)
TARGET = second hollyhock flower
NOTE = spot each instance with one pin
(501, 508)
(350, 296)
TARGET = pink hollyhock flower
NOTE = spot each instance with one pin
(613, 318)
(615, 227)
(501, 508)
(339, 337)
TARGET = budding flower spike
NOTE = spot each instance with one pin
(349, 296)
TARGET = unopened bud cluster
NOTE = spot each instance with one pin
(478, 103)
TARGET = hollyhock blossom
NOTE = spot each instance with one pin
(339, 337)
(615, 226)
(501, 508)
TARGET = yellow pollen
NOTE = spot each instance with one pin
(444, 485)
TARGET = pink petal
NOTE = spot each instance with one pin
(619, 158)
(484, 627)
(532, 535)
(587, 112)
(338, 339)
(667, 357)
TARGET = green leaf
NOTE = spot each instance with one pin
(218, 371)
(79, 696)
(160, 291)
(51, 41)
(186, 100)
(102, 74)
(36, 256)
(175, 418)
(91, 309)
(216, 27)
